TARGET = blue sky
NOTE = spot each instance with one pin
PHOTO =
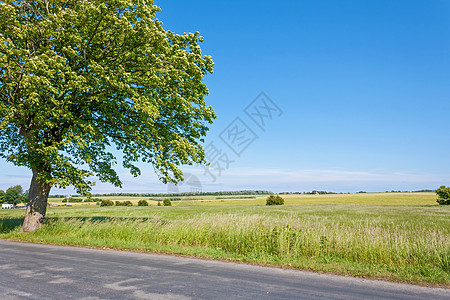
(362, 89)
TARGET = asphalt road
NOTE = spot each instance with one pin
(30, 271)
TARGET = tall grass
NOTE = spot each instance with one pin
(382, 246)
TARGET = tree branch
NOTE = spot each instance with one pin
(91, 37)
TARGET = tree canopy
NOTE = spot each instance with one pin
(80, 78)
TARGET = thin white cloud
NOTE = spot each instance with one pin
(322, 175)
(304, 180)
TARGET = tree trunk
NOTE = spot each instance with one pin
(37, 204)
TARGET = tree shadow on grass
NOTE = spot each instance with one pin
(50, 220)
(10, 224)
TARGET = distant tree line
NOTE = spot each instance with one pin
(79, 200)
(221, 193)
(13, 195)
(419, 191)
(314, 192)
(171, 199)
(237, 197)
(360, 192)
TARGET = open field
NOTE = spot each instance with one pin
(362, 199)
(409, 243)
(185, 200)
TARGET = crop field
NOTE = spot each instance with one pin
(363, 199)
(394, 236)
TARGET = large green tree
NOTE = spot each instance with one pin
(80, 78)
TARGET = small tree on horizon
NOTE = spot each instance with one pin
(443, 194)
(106, 202)
(143, 202)
(274, 200)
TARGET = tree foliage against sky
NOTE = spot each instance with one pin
(80, 78)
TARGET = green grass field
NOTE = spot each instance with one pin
(399, 237)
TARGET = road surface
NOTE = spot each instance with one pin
(30, 271)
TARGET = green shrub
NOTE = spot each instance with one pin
(159, 203)
(166, 202)
(106, 203)
(274, 200)
(143, 203)
(124, 203)
(94, 200)
(443, 195)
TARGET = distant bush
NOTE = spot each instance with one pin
(93, 200)
(170, 198)
(274, 200)
(443, 195)
(159, 203)
(124, 203)
(106, 203)
(167, 202)
(143, 203)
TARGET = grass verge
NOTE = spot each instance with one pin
(399, 243)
